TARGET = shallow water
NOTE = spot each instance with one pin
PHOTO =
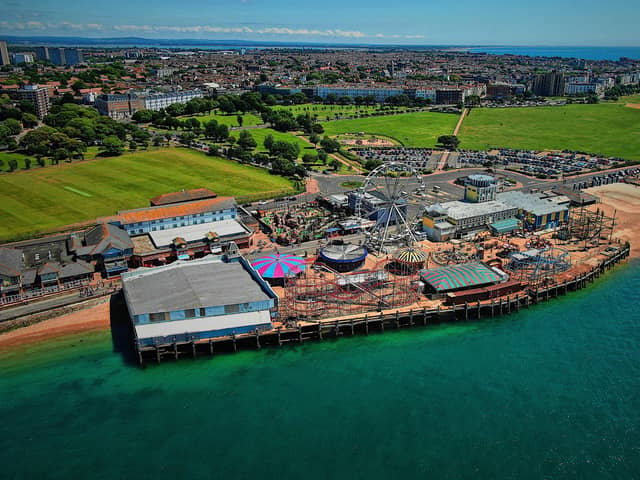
(550, 392)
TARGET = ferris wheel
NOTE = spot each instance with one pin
(384, 198)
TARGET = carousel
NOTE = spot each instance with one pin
(407, 261)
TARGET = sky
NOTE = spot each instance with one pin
(414, 22)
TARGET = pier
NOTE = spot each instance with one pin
(371, 322)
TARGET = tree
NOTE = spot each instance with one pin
(329, 145)
(449, 141)
(323, 156)
(29, 120)
(246, 141)
(314, 138)
(27, 163)
(268, 142)
(309, 158)
(13, 164)
(211, 129)
(60, 154)
(133, 145)
(111, 146)
(142, 116)
(14, 126)
(192, 124)
(334, 164)
(240, 120)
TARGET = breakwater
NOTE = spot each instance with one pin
(372, 321)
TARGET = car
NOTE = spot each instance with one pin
(293, 199)
(262, 202)
(279, 199)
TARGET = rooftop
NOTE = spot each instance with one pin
(191, 284)
(458, 210)
(530, 203)
(156, 213)
(459, 276)
(194, 233)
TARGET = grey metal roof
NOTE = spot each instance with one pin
(104, 236)
(194, 284)
(458, 210)
(197, 232)
(74, 269)
(10, 262)
(530, 203)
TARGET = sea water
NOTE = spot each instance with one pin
(552, 392)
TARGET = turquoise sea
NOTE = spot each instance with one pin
(552, 392)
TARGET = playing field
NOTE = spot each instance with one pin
(328, 112)
(419, 129)
(248, 119)
(20, 157)
(607, 129)
(43, 199)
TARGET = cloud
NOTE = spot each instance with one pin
(33, 25)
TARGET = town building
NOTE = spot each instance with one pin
(42, 53)
(37, 95)
(20, 272)
(480, 188)
(73, 56)
(504, 91)
(180, 231)
(535, 210)
(4, 53)
(108, 246)
(159, 101)
(118, 106)
(150, 219)
(455, 219)
(582, 88)
(197, 300)
(57, 56)
(549, 84)
(22, 58)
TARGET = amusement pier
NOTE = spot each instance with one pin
(197, 274)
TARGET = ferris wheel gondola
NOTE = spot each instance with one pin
(384, 197)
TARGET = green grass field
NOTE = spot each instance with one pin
(259, 134)
(44, 199)
(607, 129)
(324, 111)
(249, 119)
(20, 157)
(419, 129)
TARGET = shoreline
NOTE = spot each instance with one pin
(623, 198)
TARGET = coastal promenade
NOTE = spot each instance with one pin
(301, 331)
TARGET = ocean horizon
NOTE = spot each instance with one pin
(547, 392)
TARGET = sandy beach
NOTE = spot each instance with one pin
(622, 198)
(91, 319)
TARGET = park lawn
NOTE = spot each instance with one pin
(259, 134)
(44, 199)
(324, 111)
(248, 119)
(420, 129)
(606, 129)
(90, 154)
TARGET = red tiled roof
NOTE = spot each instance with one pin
(177, 210)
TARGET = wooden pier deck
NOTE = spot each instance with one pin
(378, 321)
